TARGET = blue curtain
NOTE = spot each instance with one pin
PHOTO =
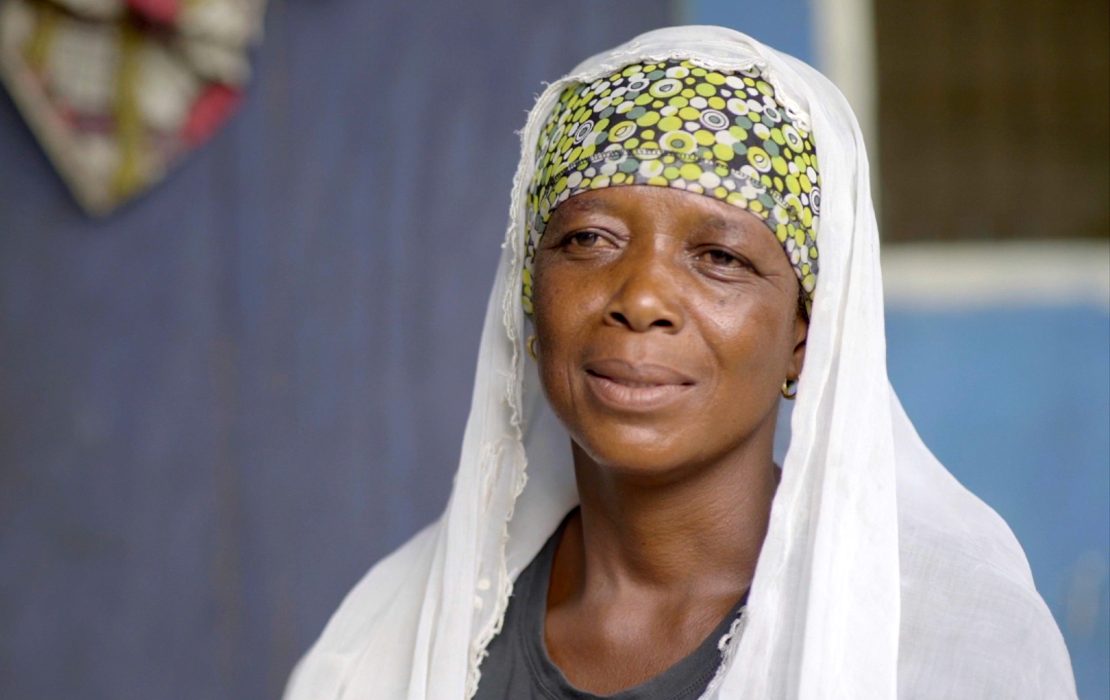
(221, 404)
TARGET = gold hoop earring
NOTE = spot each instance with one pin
(790, 389)
(530, 345)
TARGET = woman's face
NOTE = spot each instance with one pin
(666, 324)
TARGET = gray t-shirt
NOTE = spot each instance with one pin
(518, 665)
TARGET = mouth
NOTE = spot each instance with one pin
(638, 387)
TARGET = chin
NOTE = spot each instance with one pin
(640, 453)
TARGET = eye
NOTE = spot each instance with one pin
(581, 239)
(579, 243)
(721, 257)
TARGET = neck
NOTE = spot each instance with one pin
(697, 534)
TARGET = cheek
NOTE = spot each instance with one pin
(550, 320)
(753, 344)
(559, 307)
(563, 297)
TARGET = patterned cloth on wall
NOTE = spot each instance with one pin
(117, 90)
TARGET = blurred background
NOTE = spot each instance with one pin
(245, 252)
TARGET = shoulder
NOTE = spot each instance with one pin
(973, 624)
(376, 623)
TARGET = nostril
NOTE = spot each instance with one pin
(623, 320)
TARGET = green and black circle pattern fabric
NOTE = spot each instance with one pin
(675, 124)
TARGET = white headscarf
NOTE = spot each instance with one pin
(880, 575)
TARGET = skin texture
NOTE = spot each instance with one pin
(666, 323)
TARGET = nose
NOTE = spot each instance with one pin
(648, 296)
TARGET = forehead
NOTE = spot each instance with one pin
(638, 204)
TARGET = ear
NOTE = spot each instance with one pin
(801, 332)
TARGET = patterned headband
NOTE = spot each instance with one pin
(719, 133)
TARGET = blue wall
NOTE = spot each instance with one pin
(1016, 403)
(786, 25)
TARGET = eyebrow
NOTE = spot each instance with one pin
(715, 223)
(586, 204)
(579, 206)
(711, 223)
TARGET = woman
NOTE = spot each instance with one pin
(666, 305)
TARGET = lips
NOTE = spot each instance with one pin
(630, 386)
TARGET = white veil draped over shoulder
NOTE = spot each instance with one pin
(880, 575)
